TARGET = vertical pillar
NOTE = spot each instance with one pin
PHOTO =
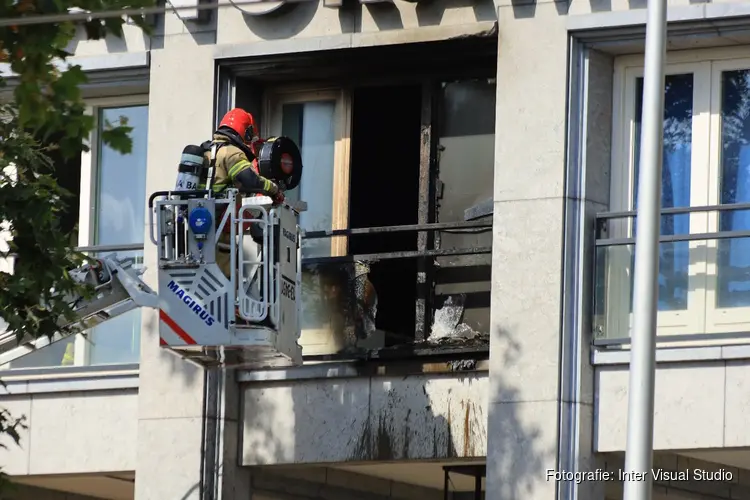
(537, 422)
(187, 442)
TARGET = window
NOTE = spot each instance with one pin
(318, 122)
(112, 212)
(315, 122)
(704, 285)
(119, 219)
(358, 157)
(467, 169)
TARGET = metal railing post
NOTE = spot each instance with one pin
(640, 437)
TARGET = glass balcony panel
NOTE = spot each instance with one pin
(708, 264)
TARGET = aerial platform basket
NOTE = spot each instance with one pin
(249, 319)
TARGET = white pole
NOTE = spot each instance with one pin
(640, 441)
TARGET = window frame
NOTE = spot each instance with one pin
(319, 340)
(706, 66)
(87, 213)
(720, 320)
(273, 101)
(86, 230)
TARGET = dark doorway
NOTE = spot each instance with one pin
(385, 192)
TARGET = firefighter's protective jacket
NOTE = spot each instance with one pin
(234, 168)
(231, 161)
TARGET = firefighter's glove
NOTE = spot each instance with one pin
(273, 191)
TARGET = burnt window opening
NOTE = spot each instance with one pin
(396, 181)
(417, 125)
(384, 191)
(465, 169)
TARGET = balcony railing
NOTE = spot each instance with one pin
(329, 280)
(704, 276)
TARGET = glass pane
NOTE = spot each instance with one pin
(57, 354)
(311, 126)
(733, 282)
(675, 192)
(612, 286)
(120, 220)
(467, 167)
(613, 265)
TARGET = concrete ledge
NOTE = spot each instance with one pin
(74, 379)
(675, 355)
(124, 60)
(637, 17)
(323, 370)
(344, 369)
(415, 35)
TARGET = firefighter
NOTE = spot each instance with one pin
(236, 165)
(236, 158)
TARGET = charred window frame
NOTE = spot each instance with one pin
(432, 66)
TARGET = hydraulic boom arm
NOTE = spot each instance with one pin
(118, 289)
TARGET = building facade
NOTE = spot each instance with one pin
(501, 353)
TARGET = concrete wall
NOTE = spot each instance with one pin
(363, 419)
(170, 400)
(729, 483)
(552, 165)
(72, 432)
(710, 396)
(312, 19)
(133, 40)
(527, 266)
(171, 414)
(304, 21)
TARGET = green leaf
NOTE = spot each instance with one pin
(118, 138)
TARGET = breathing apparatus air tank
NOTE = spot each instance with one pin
(192, 164)
(192, 167)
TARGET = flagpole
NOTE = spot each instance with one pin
(640, 437)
